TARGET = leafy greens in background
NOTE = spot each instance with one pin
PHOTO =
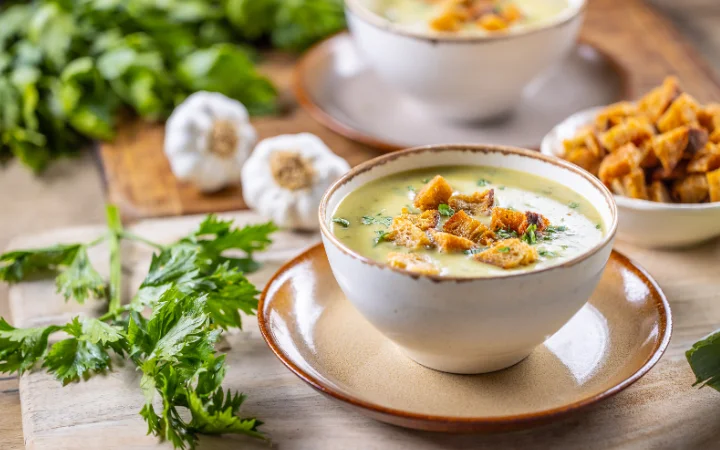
(194, 293)
(69, 67)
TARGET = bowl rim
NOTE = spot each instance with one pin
(473, 148)
(498, 423)
(574, 9)
(547, 148)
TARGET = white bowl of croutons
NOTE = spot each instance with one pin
(467, 257)
(661, 158)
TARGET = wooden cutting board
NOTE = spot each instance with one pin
(643, 44)
(661, 411)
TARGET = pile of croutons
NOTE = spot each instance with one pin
(664, 148)
(461, 232)
(489, 15)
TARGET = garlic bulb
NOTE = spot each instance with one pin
(285, 177)
(207, 140)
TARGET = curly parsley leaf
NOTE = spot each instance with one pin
(704, 359)
(81, 281)
(21, 348)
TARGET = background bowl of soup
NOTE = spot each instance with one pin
(641, 222)
(469, 317)
(465, 75)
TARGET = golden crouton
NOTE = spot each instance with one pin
(519, 222)
(706, 160)
(662, 174)
(413, 263)
(451, 18)
(658, 192)
(656, 102)
(428, 219)
(614, 115)
(669, 147)
(404, 233)
(508, 254)
(479, 203)
(634, 184)
(715, 137)
(584, 158)
(649, 159)
(619, 163)
(449, 243)
(436, 192)
(460, 224)
(634, 130)
(713, 180)
(682, 111)
(492, 22)
(692, 189)
(709, 117)
(584, 139)
(507, 219)
(616, 186)
(510, 13)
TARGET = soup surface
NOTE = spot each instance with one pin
(367, 219)
(466, 16)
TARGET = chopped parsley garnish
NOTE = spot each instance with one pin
(574, 205)
(411, 189)
(502, 188)
(547, 253)
(381, 236)
(506, 234)
(529, 236)
(426, 180)
(475, 251)
(342, 222)
(598, 226)
(377, 220)
(483, 182)
(552, 229)
(445, 210)
(504, 249)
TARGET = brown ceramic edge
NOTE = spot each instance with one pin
(375, 20)
(380, 160)
(470, 424)
(326, 119)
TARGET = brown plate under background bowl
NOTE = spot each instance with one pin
(337, 88)
(612, 342)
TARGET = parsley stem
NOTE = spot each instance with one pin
(115, 225)
(135, 237)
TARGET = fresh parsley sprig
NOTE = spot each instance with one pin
(195, 288)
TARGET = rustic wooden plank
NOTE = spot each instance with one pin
(662, 410)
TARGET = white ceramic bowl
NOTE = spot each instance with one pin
(641, 222)
(462, 77)
(468, 325)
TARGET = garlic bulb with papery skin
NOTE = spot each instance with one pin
(207, 139)
(286, 176)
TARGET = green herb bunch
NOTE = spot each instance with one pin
(194, 292)
(69, 67)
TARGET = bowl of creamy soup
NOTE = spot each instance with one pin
(464, 60)
(468, 257)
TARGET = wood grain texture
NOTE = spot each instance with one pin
(645, 45)
(661, 411)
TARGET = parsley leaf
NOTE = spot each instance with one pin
(377, 220)
(23, 264)
(503, 249)
(574, 205)
(342, 222)
(547, 253)
(598, 226)
(445, 210)
(530, 236)
(21, 348)
(380, 236)
(704, 359)
(483, 182)
(506, 234)
(81, 281)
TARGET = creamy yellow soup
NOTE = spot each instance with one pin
(419, 14)
(366, 213)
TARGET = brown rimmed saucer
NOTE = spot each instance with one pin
(612, 342)
(337, 88)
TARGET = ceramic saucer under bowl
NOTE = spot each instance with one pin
(335, 85)
(613, 341)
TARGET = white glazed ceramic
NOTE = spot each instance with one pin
(468, 325)
(461, 77)
(641, 222)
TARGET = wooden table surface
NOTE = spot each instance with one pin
(70, 193)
